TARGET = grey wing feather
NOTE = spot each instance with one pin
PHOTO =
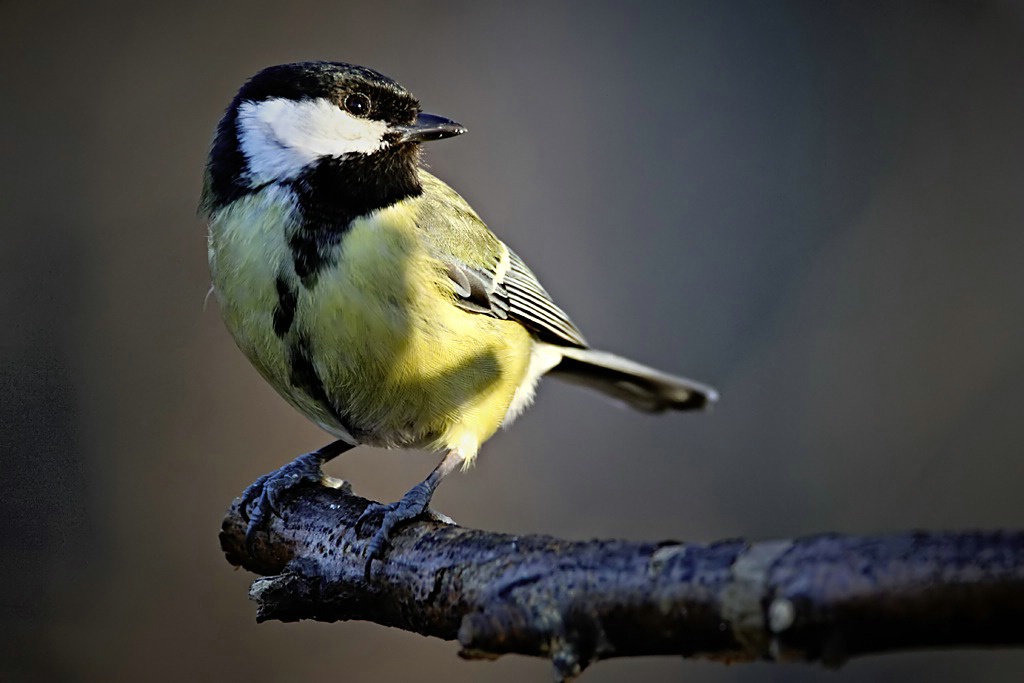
(477, 292)
(531, 304)
(518, 295)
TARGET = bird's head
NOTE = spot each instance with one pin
(288, 121)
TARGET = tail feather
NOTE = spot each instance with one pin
(637, 385)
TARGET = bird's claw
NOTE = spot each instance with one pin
(371, 511)
(388, 516)
(265, 495)
(412, 505)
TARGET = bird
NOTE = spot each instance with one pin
(371, 296)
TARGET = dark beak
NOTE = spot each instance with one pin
(429, 127)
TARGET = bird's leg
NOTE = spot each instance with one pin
(413, 504)
(264, 494)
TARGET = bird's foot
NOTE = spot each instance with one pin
(412, 505)
(265, 494)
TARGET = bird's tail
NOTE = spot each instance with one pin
(637, 385)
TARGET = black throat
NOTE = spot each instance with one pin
(338, 190)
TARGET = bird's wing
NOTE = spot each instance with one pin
(489, 278)
(511, 290)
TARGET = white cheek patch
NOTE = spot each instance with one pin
(281, 137)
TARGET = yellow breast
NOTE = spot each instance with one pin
(416, 369)
(400, 362)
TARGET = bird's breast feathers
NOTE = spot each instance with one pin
(374, 348)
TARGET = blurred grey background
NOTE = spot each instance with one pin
(815, 206)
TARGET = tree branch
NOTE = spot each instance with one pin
(823, 598)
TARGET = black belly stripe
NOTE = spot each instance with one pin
(284, 312)
(335, 191)
(303, 374)
(313, 251)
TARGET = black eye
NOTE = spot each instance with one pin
(357, 104)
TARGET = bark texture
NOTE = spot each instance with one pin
(823, 598)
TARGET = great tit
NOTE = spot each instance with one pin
(370, 295)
